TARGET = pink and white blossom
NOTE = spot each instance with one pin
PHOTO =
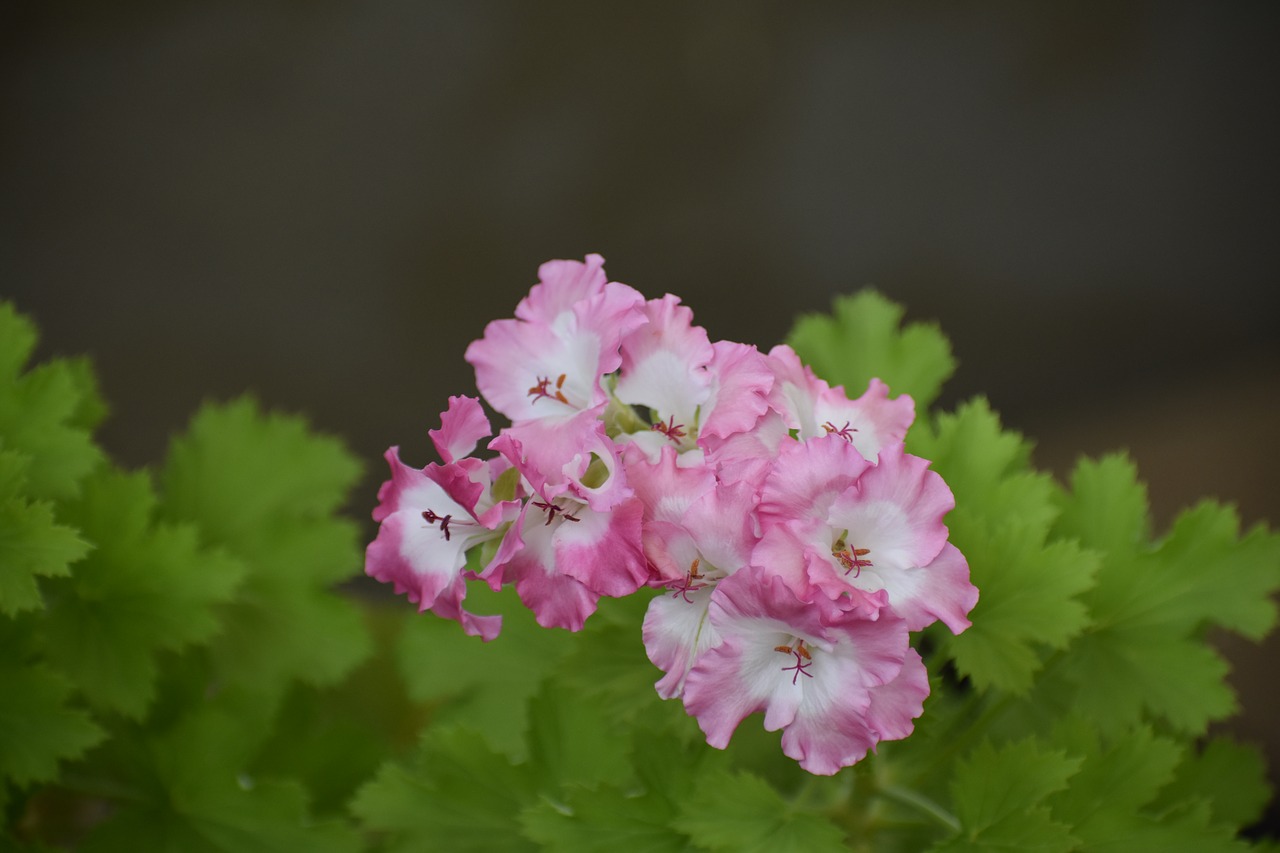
(813, 669)
(813, 408)
(833, 522)
(794, 543)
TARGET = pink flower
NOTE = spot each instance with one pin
(664, 368)
(813, 408)
(548, 362)
(795, 542)
(570, 555)
(430, 518)
(836, 676)
(697, 531)
(833, 522)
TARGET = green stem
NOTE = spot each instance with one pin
(921, 803)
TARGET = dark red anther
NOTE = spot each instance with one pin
(431, 518)
(671, 429)
(843, 431)
(551, 510)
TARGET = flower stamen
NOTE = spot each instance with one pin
(431, 518)
(852, 560)
(543, 389)
(551, 510)
(843, 431)
(804, 660)
(687, 584)
(671, 429)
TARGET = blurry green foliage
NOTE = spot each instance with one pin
(181, 674)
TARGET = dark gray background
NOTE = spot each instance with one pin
(324, 202)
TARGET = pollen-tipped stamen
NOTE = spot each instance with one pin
(687, 584)
(543, 389)
(670, 429)
(803, 660)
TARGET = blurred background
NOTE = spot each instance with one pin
(324, 202)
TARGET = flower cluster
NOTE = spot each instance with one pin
(796, 544)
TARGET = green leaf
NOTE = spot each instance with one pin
(239, 473)
(37, 727)
(486, 685)
(145, 588)
(1123, 675)
(862, 341)
(44, 413)
(189, 787)
(742, 813)
(17, 341)
(1204, 572)
(1108, 506)
(986, 468)
(1145, 656)
(225, 816)
(1230, 777)
(264, 488)
(31, 543)
(1026, 599)
(1000, 795)
(90, 409)
(459, 794)
(572, 742)
(1105, 801)
(607, 663)
(605, 818)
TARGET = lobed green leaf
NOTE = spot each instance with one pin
(38, 726)
(1000, 796)
(864, 340)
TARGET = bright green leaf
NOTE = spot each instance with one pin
(264, 488)
(1027, 598)
(1107, 508)
(986, 468)
(862, 340)
(37, 416)
(1104, 802)
(1120, 676)
(238, 473)
(145, 588)
(17, 340)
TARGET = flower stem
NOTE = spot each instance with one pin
(921, 803)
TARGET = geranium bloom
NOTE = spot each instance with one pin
(578, 536)
(836, 676)
(813, 408)
(548, 362)
(697, 531)
(832, 521)
(795, 543)
(431, 517)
